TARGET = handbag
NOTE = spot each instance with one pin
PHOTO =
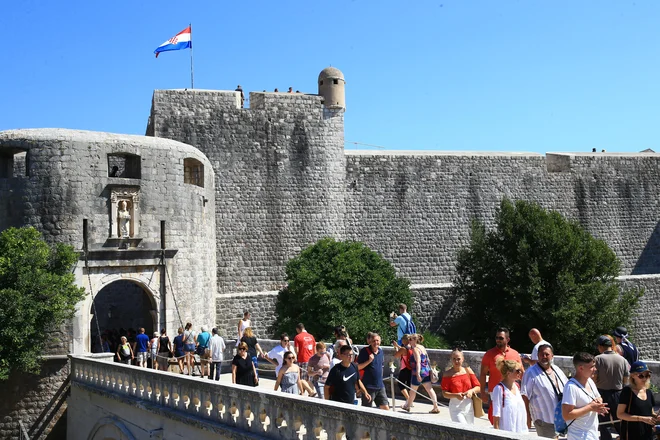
(477, 406)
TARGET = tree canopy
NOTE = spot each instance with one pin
(37, 293)
(537, 269)
(340, 283)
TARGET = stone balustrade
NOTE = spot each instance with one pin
(235, 411)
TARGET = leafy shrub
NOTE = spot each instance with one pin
(538, 269)
(340, 283)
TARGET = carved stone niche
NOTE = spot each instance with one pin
(124, 212)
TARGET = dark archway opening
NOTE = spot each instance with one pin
(122, 308)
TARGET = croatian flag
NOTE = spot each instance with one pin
(182, 40)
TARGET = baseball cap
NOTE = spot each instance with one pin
(620, 332)
(638, 367)
(604, 341)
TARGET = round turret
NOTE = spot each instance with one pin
(331, 87)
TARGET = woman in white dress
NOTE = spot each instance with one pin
(509, 413)
(242, 325)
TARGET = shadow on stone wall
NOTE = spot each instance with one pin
(649, 259)
(38, 400)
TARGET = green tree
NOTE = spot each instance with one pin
(37, 294)
(340, 283)
(538, 269)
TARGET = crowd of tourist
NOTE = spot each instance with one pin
(608, 393)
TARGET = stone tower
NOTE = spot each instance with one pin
(332, 88)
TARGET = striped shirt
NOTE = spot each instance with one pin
(538, 389)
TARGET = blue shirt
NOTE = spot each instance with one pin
(203, 339)
(403, 325)
(142, 342)
(373, 373)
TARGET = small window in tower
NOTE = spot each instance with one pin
(321, 82)
(193, 172)
(335, 81)
(124, 165)
(14, 164)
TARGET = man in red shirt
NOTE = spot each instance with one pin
(305, 346)
(489, 365)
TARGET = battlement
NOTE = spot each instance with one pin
(275, 100)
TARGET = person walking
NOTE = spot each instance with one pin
(305, 345)
(536, 338)
(242, 325)
(611, 376)
(341, 339)
(164, 350)
(343, 381)
(179, 352)
(509, 413)
(625, 347)
(401, 322)
(217, 347)
(142, 348)
(489, 365)
(635, 408)
(203, 351)
(153, 351)
(542, 386)
(276, 355)
(242, 368)
(371, 360)
(189, 337)
(289, 376)
(125, 352)
(318, 368)
(459, 384)
(403, 352)
(253, 347)
(581, 404)
(421, 374)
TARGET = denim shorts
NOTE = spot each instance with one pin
(189, 348)
(424, 380)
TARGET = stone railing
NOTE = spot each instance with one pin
(256, 412)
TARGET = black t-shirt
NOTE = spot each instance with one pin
(636, 407)
(343, 380)
(251, 343)
(244, 370)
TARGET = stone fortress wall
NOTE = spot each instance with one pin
(284, 180)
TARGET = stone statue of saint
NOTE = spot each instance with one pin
(124, 218)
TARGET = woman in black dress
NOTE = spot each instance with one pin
(242, 368)
(253, 346)
(636, 405)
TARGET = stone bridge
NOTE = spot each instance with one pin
(115, 401)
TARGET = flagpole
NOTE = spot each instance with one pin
(192, 74)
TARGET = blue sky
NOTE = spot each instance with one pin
(533, 76)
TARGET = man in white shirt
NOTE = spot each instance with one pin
(542, 385)
(217, 346)
(537, 340)
(582, 404)
(276, 355)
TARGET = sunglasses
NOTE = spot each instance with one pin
(289, 358)
(285, 340)
(646, 375)
(241, 349)
(518, 371)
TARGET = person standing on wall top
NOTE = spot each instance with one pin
(537, 340)
(611, 375)
(242, 325)
(542, 386)
(142, 345)
(581, 404)
(489, 365)
(305, 346)
(217, 347)
(371, 360)
(240, 89)
(403, 322)
(344, 379)
(625, 348)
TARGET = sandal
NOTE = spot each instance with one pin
(313, 394)
(405, 408)
(435, 411)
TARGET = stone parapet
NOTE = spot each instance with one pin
(180, 406)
